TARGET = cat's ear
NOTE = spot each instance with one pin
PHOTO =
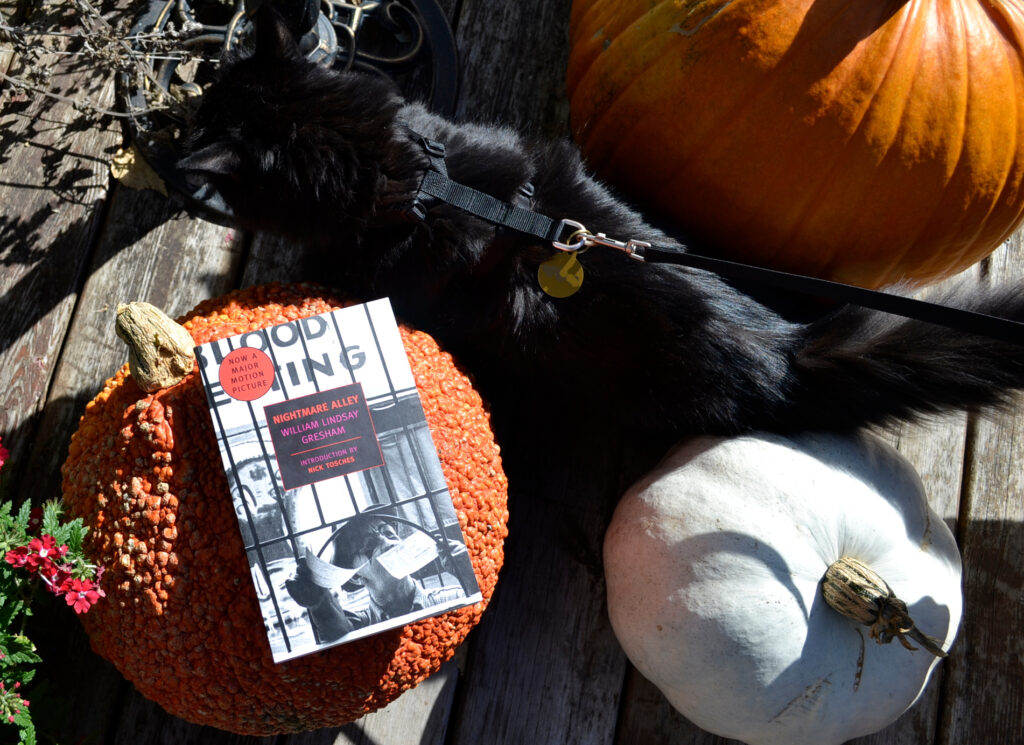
(274, 39)
(215, 162)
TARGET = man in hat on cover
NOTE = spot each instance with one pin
(359, 549)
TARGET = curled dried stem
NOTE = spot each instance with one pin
(853, 589)
(160, 351)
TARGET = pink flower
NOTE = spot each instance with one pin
(45, 546)
(42, 552)
(4, 454)
(41, 556)
(82, 594)
(55, 576)
(17, 557)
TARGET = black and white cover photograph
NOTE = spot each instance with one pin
(341, 502)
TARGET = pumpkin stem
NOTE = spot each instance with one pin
(856, 591)
(160, 351)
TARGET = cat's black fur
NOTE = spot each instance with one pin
(319, 156)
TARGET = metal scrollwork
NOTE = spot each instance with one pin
(348, 20)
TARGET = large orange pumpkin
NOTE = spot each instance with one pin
(181, 618)
(859, 140)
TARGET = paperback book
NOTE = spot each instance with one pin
(343, 509)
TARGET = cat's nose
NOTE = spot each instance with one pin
(194, 182)
(197, 185)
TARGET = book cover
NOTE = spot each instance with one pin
(342, 505)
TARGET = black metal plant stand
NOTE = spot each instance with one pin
(179, 42)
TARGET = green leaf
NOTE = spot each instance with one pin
(27, 729)
(23, 515)
(52, 510)
(12, 530)
(23, 657)
(10, 608)
(18, 650)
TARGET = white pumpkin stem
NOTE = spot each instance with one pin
(853, 589)
(160, 351)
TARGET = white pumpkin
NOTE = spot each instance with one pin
(715, 563)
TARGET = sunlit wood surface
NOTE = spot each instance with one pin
(543, 668)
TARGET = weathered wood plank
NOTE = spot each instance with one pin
(418, 716)
(53, 183)
(11, 13)
(146, 251)
(544, 666)
(936, 448)
(985, 674)
(53, 188)
(143, 721)
(513, 64)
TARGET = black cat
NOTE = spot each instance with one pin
(329, 158)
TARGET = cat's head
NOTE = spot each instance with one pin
(287, 142)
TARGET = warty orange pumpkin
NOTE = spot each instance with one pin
(868, 142)
(181, 619)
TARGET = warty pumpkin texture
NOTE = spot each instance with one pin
(868, 142)
(181, 619)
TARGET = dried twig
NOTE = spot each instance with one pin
(110, 47)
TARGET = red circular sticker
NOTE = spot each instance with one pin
(246, 374)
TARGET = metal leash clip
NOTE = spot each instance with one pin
(580, 239)
(633, 248)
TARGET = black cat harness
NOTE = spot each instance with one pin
(571, 237)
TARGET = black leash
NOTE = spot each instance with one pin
(571, 236)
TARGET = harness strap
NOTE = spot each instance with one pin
(488, 208)
(437, 187)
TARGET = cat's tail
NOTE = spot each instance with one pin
(859, 367)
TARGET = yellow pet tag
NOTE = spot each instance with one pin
(561, 275)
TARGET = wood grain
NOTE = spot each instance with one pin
(53, 183)
(513, 64)
(985, 676)
(419, 715)
(543, 668)
(145, 251)
(11, 12)
(936, 448)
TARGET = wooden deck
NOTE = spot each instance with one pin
(543, 668)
